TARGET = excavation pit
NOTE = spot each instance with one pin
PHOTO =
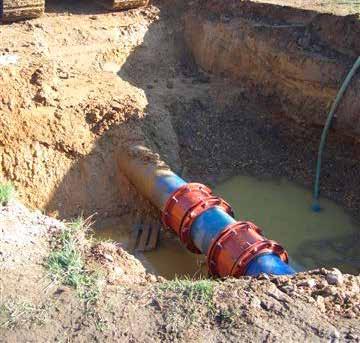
(189, 88)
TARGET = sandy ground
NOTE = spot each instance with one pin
(81, 85)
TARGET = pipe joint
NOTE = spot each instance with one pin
(185, 205)
(231, 252)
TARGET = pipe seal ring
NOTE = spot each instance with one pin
(179, 203)
(185, 205)
(233, 249)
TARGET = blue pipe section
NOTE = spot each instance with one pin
(269, 264)
(166, 185)
(212, 222)
(208, 226)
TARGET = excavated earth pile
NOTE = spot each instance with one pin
(215, 91)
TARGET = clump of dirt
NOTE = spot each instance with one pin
(102, 117)
(120, 267)
(332, 292)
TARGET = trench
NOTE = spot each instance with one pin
(273, 186)
(236, 100)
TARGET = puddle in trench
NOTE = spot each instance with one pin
(169, 260)
(329, 238)
(326, 239)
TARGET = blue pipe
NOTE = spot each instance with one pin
(166, 185)
(269, 264)
(208, 226)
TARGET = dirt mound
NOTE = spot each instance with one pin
(120, 266)
(65, 115)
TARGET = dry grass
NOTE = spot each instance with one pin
(15, 313)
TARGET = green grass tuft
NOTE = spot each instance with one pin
(7, 192)
(66, 263)
(193, 290)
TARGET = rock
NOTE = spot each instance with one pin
(63, 74)
(310, 300)
(335, 333)
(118, 271)
(335, 277)
(116, 106)
(310, 283)
(161, 279)
(263, 276)
(355, 289)
(350, 335)
(329, 290)
(287, 289)
(275, 293)
(151, 278)
(46, 96)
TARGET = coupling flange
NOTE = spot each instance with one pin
(185, 205)
(233, 249)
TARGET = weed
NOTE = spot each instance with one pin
(100, 324)
(6, 193)
(225, 317)
(185, 301)
(66, 263)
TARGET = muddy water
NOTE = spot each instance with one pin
(170, 259)
(282, 210)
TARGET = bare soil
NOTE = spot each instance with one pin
(88, 83)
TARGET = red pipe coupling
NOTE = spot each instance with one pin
(185, 205)
(233, 249)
